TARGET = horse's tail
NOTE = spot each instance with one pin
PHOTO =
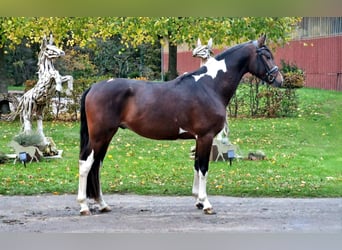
(84, 134)
(93, 180)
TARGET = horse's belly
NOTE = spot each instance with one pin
(159, 132)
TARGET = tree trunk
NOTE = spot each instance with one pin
(4, 104)
(172, 61)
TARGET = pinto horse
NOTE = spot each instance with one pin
(192, 106)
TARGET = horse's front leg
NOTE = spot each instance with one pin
(203, 147)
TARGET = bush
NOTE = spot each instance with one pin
(76, 63)
(255, 99)
(293, 76)
(114, 58)
(32, 139)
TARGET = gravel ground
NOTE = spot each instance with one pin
(159, 214)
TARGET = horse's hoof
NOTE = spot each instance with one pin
(85, 213)
(106, 209)
(209, 211)
(199, 205)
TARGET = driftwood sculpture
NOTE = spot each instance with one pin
(34, 100)
(203, 51)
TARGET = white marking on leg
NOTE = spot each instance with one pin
(84, 168)
(195, 184)
(202, 192)
(213, 67)
(103, 206)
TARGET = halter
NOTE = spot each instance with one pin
(272, 73)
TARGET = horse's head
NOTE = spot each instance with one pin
(262, 64)
(203, 51)
(50, 50)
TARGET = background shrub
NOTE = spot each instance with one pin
(254, 98)
(294, 77)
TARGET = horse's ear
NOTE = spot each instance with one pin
(51, 39)
(262, 40)
(210, 43)
(199, 42)
(44, 42)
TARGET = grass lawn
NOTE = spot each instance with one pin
(304, 158)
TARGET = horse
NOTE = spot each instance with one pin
(192, 106)
(49, 81)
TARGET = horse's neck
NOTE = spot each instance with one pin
(227, 83)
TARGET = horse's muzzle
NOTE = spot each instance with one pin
(278, 80)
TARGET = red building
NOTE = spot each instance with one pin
(317, 49)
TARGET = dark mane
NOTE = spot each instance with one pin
(231, 50)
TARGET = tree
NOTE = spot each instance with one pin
(83, 31)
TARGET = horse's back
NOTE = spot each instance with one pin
(107, 98)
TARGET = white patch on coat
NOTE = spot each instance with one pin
(181, 131)
(213, 67)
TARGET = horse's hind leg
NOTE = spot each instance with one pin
(89, 171)
(91, 164)
(103, 206)
(84, 168)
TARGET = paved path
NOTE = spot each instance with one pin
(135, 213)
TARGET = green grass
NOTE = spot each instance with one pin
(11, 87)
(304, 158)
